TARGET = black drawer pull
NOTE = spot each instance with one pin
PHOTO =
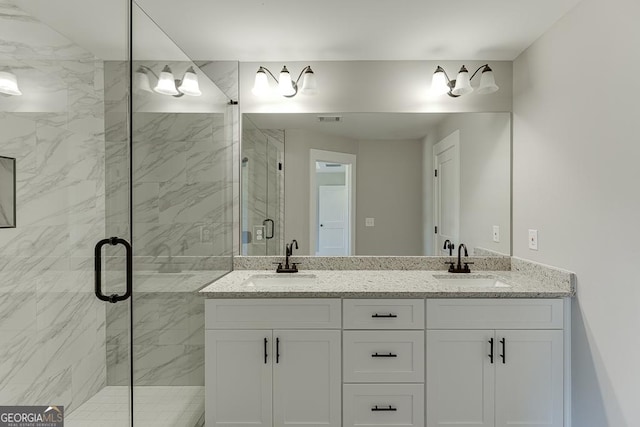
(388, 316)
(266, 356)
(377, 409)
(491, 354)
(384, 355)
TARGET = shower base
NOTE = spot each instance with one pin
(156, 406)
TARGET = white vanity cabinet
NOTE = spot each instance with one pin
(493, 362)
(383, 362)
(352, 362)
(283, 371)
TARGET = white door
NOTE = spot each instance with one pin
(307, 378)
(460, 378)
(333, 220)
(529, 384)
(446, 156)
(238, 378)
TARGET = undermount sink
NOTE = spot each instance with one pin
(282, 279)
(465, 281)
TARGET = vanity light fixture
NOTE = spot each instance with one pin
(9, 84)
(441, 83)
(167, 84)
(286, 86)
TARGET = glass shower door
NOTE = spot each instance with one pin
(262, 190)
(275, 193)
(181, 219)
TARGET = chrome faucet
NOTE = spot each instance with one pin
(459, 268)
(288, 251)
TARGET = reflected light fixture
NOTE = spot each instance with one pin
(286, 86)
(9, 84)
(166, 83)
(441, 83)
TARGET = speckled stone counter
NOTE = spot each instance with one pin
(389, 284)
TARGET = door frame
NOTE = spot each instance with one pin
(450, 141)
(350, 182)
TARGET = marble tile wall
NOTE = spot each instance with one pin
(52, 328)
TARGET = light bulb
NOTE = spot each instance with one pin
(166, 83)
(9, 84)
(487, 82)
(309, 83)
(261, 83)
(142, 80)
(285, 84)
(439, 83)
(189, 85)
(463, 85)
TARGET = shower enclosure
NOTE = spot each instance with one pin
(262, 180)
(124, 209)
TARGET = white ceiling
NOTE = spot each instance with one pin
(302, 30)
(360, 126)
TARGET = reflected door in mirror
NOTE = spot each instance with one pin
(446, 156)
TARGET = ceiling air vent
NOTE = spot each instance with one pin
(329, 119)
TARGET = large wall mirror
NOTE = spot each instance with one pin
(376, 183)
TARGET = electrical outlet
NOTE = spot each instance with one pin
(496, 233)
(533, 240)
(258, 233)
(369, 222)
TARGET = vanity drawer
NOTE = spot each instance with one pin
(383, 313)
(495, 314)
(273, 313)
(383, 356)
(397, 405)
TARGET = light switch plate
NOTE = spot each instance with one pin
(496, 233)
(369, 222)
(533, 239)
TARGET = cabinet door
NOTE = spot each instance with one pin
(238, 378)
(460, 378)
(529, 381)
(306, 378)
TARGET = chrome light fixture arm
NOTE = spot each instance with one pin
(143, 68)
(268, 71)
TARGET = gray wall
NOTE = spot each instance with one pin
(485, 177)
(388, 175)
(575, 180)
(296, 179)
(389, 190)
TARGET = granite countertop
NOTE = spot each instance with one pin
(185, 281)
(387, 284)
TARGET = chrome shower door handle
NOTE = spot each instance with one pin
(113, 241)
